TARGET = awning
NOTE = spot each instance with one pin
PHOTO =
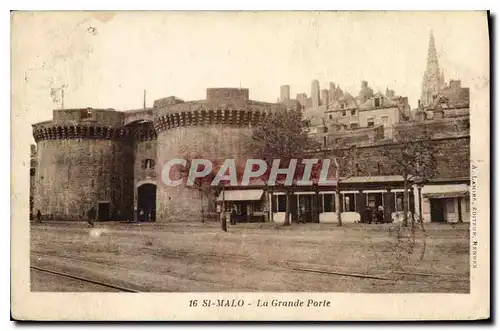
(373, 179)
(444, 195)
(241, 195)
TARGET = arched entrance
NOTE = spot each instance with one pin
(146, 201)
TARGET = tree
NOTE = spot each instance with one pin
(413, 156)
(345, 160)
(283, 135)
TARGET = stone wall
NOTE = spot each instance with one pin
(75, 174)
(144, 149)
(212, 142)
(453, 159)
(105, 117)
(225, 95)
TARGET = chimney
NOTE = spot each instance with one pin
(324, 96)
(315, 94)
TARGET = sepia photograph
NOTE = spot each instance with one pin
(241, 164)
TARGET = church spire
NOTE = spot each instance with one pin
(432, 58)
(433, 80)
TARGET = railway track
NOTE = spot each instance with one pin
(84, 279)
(298, 266)
(117, 267)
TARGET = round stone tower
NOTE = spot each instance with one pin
(84, 160)
(211, 129)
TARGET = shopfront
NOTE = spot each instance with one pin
(244, 205)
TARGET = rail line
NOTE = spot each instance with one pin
(84, 279)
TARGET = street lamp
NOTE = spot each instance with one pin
(223, 210)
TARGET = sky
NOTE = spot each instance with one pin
(108, 59)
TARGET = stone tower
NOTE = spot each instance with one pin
(433, 79)
(324, 97)
(315, 93)
(284, 93)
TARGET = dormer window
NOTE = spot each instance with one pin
(377, 102)
(353, 112)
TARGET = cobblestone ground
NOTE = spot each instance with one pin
(197, 257)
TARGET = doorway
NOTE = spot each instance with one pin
(437, 210)
(304, 210)
(146, 202)
(103, 211)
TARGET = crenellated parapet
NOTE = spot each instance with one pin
(203, 113)
(43, 131)
(144, 132)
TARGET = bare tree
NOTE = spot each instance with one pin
(413, 156)
(282, 134)
(345, 160)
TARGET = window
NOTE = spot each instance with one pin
(372, 201)
(148, 164)
(343, 112)
(324, 142)
(371, 122)
(281, 203)
(353, 112)
(385, 120)
(354, 125)
(32, 172)
(450, 206)
(342, 106)
(330, 117)
(328, 203)
(377, 102)
(349, 202)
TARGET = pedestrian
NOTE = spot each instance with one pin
(38, 216)
(91, 217)
(368, 214)
(141, 215)
(380, 214)
(302, 213)
(233, 215)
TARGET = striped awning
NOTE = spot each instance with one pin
(241, 195)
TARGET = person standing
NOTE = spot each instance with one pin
(380, 214)
(233, 215)
(91, 217)
(302, 213)
(368, 215)
(38, 216)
